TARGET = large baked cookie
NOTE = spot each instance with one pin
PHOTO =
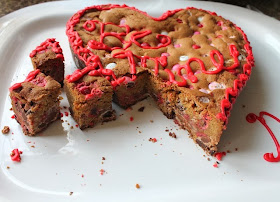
(192, 62)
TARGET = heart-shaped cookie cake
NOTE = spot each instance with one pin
(192, 62)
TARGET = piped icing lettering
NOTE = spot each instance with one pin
(252, 118)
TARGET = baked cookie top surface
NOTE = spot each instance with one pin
(35, 86)
(196, 50)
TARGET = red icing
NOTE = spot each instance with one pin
(252, 118)
(94, 66)
(48, 44)
(219, 155)
(29, 78)
(15, 155)
(215, 165)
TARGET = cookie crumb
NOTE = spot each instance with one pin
(137, 186)
(152, 121)
(172, 134)
(103, 159)
(6, 130)
(8, 167)
(208, 159)
(70, 193)
(141, 109)
(60, 98)
(236, 149)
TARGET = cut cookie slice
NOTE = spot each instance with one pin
(35, 102)
(49, 59)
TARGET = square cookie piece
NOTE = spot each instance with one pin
(35, 102)
(48, 58)
(90, 100)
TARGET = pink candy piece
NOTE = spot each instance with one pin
(197, 72)
(39, 81)
(215, 85)
(196, 33)
(122, 22)
(224, 28)
(165, 54)
(177, 45)
(219, 23)
(175, 68)
(204, 91)
(127, 80)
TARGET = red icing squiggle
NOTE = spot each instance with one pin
(92, 60)
(29, 78)
(48, 44)
(252, 118)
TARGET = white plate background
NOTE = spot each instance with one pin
(168, 170)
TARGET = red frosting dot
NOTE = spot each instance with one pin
(215, 165)
(15, 155)
(251, 118)
(131, 118)
(219, 155)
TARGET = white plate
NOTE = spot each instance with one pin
(168, 170)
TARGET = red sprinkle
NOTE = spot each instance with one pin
(102, 171)
(15, 155)
(219, 155)
(215, 165)
(200, 25)
(131, 118)
(66, 113)
(82, 175)
(153, 140)
(13, 116)
(61, 115)
(77, 125)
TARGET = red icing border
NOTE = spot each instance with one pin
(29, 78)
(48, 44)
(93, 62)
